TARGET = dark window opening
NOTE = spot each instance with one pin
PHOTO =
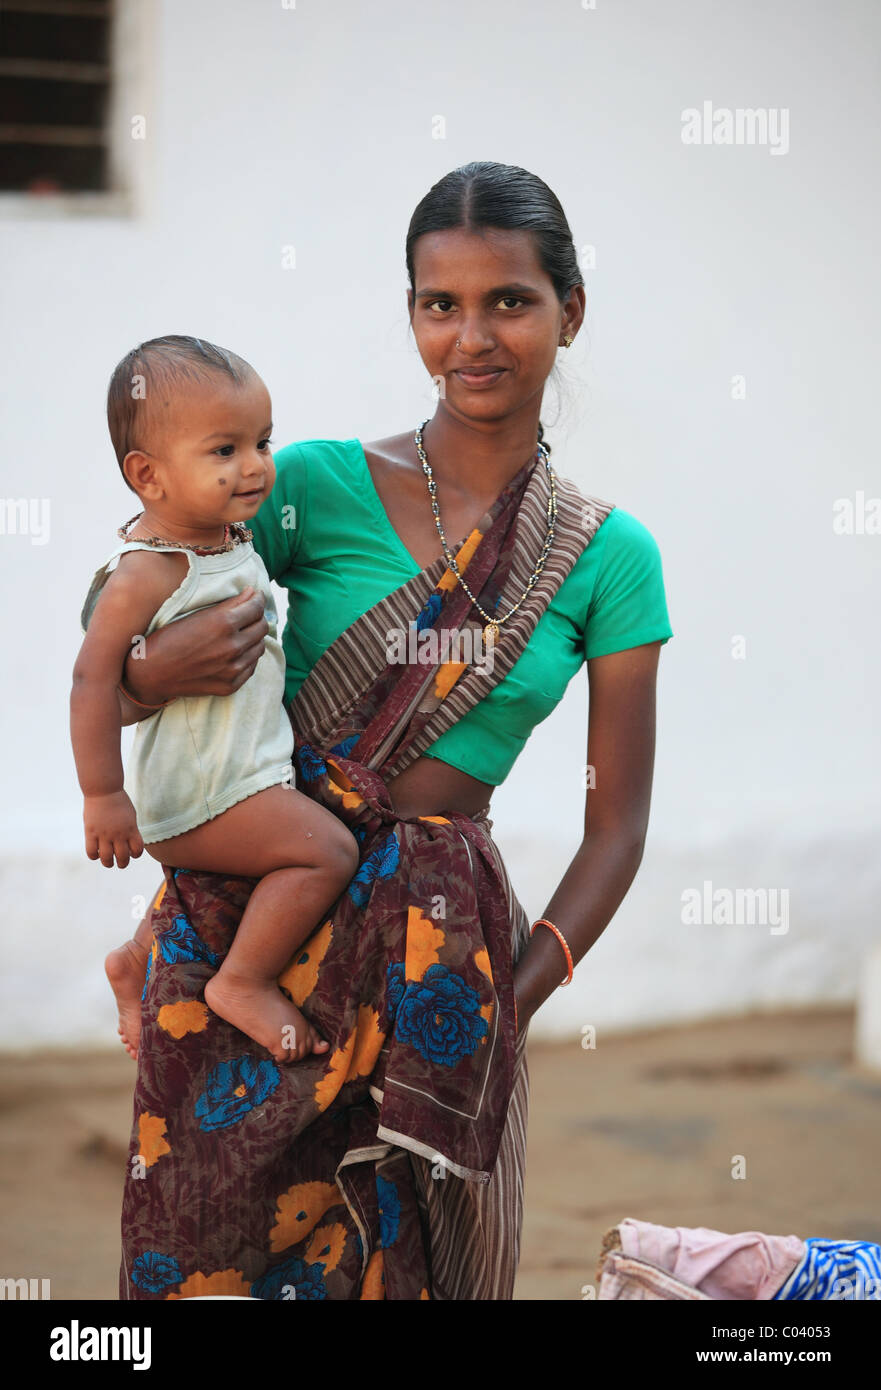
(55, 82)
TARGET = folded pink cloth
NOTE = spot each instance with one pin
(747, 1265)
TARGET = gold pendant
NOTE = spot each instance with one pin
(491, 633)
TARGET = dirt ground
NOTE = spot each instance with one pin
(646, 1124)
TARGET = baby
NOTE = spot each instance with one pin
(210, 776)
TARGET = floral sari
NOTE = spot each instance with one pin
(392, 1165)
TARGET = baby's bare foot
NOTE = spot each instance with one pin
(263, 1012)
(125, 968)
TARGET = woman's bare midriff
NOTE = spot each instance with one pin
(429, 787)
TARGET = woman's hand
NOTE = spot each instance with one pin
(211, 652)
(111, 829)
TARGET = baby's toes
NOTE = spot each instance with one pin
(301, 1047)
(317, 1043)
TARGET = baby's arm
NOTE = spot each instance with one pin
(131, 596)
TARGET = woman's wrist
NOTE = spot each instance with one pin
(540, 971)
(159, 704)
(546, 924)
(139, 677)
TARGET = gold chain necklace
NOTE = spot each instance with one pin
(492, 626)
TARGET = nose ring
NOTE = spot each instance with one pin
(458, 342)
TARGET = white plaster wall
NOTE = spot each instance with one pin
(312, 127)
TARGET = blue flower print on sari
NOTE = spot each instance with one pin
(395, 986)
(389, 1211)
(428, 615)
(154, 1272)
(181, 942)
(344, 749)
(292, 1280)
(380, 863)
(233, 1089)
(440, 1016)
(147, 976)
(311, 764)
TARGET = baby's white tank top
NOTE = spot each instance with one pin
(201, 754)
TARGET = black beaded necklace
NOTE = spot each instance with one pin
(234, 533)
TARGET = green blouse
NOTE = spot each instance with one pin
(324, 535)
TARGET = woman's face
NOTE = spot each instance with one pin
(486, 291)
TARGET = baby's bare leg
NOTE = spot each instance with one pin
(126, 967)
(304, 857)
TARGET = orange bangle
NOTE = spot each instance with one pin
(120, 686)
(543, 921)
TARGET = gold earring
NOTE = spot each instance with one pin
(567, 340)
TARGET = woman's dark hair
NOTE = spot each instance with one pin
(161, 364)
(486, 194)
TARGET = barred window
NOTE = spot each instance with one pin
(55, 89)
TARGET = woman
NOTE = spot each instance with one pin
(393, 1166)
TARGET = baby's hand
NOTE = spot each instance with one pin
(111, 829)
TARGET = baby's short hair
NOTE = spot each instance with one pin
(161, 364)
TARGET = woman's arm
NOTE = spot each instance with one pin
(621, 752)
(211, 652)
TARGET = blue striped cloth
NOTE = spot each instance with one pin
(835, 1269)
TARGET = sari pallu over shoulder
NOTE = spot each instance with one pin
(298, 1181)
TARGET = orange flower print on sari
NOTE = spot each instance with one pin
(186, 1016)
(152, 1143)
(357, 1057)
(223, 1281)
(373, 1283)
(340, 785)
(369, 1039)
(301, 977)
(327, 1246)
(330, 1085)
(299, 1210)
(424, 941)
(481, 960)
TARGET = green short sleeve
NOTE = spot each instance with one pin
(279, 522)
(628, 606)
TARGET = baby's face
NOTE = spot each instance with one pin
(212, 447)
